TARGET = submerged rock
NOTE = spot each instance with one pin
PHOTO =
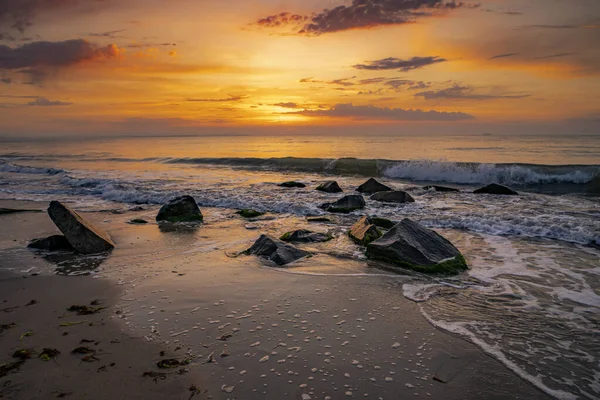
(411, 245)
(180, 209)
(278, 252)
(249, 213)
(441, 189)
(383, 222)
(137, 221)
(373, 186)
(364, 231)
(494, 188)
(305, 236)
(292, 184)
(318, 219)
(395, 196)
(330, 187)
(81, 234)
(51, 243)
(346, 204)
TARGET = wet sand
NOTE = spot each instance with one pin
(251, 332)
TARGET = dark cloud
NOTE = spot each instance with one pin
(310, 80)
(399, 64)
(109, 34)
(53, 54)
(384, 113)
(230, 98)
(551, 26)
(504, 12)
(141, 45)
(287, 105)
(361, 14)
(397, 84)
(559, 55)
(342, 82)
(458, 92)
(42, 101)
(505, 55)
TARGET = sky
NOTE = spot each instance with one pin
(103, 67)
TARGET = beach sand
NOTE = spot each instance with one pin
(286, 334)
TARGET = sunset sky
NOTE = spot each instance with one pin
(245, 66)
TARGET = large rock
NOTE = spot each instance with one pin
(383, 222)
(372, 186)
(364, 231)
(292, 184)
(330, 187)
(441, 189)
(51, 243)
(494, 188)
(81, 234)
(346, 204)
(411, 245)
(180, 209)
(278, 252)
(305, 236)
(395, 196)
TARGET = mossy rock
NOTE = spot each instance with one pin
(364, 232)
(383, 223)
(249, 213)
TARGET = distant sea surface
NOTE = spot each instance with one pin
(532, 295)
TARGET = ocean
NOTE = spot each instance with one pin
(531, 298)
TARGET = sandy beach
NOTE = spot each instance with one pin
(241, 329)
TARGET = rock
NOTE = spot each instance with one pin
(441, 189)
(275, 251)
(383, 222)
(51, 243)
(292, 184)
(494, 188)
(364, 231)
(318, 219)
(304, 236)
(330, 187)
(180, 209)
(346, 204)
(14, 211)
(137, 221)
(248, 213)
(395, 196)
(411, 245)
(81, 234)
(372, 186)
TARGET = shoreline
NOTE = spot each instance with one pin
(384, 332)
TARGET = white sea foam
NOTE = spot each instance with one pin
(23, 169)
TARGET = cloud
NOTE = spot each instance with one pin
(399, 64)
(287, 105)
(361, 14)
(230, 98)
(53, 54)
(505, 55)
(554, 56)
(550, 26)
(396, 84)
(504, 12)
(458, 92)
(384, 113)
(141, 45)
(42, 101)
(109, 34)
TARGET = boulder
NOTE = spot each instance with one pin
(330, 187)
(372, 186)
(364, 231)
(494, 188)
(395, 196)
(81, 234)
(51, 243)
(318, 219)
(345, 205)
(278, 252)
(441, 189)
(383, 223)
(180, 209)
(292, 184)
(249, 213)
(137, 221)
(411, 245)
(305, 236)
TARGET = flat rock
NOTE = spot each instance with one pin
(395, 196)
(81, 234)
(373, 186)
(15, 211)
(441, 189)
(330, 187)
(494, 188)
(410, 245)
(180, 209)
(249, 213)
(51, 243)
(364, 231)
(346, 204)
(306, 236)
(318, 219)
(273, 250)
(292, 184)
